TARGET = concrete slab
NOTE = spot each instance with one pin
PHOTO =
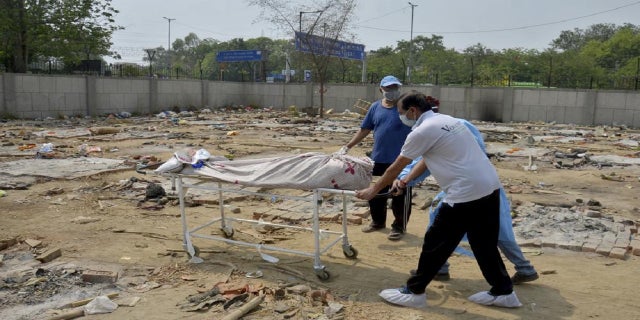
(509, 151)
(63, 133)
(615, 159)
(70, 168)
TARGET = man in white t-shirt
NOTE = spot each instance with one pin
(471, 204)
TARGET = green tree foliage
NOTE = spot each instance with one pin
(599, 62)
(49, 30)
(599, 57)
(196, 58)
(384, 61)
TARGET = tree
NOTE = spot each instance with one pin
(331, 24)
(62, 30)
(442, 66)
(422, 47)
(576, 39)
(382, 62)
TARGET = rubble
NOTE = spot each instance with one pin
(549, 216)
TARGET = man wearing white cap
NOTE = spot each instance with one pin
(388, 133)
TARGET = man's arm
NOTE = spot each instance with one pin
(418, 169)
(411, 175)
(387, 178)
(361, 134)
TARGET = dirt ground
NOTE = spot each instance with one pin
(101, 222)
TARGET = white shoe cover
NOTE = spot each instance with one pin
(483, 298)
(394, 296)
(505, 301)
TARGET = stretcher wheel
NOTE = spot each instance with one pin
(350, 252)
(228, 231)
(196, 250)
(323, 275)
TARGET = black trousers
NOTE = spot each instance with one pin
(480, 220)
(378, 205)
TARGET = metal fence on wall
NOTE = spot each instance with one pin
(590, 82)
(542, 80)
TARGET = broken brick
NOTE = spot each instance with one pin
(604, 248)
(354, 220)
(49, 255)
(590, 246)
(6, 243)
(618, 253)
(635, 247)
(99, 276)
(33, 243)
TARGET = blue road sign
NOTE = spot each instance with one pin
(239, 55)
(323, 46)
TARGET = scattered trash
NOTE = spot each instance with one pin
(254, 274)
(123, 115)
(267, 257)
(85, 149)
(101, 304)
(333, 309)
(293, 111)
(26, 146)
(46, 152)
(47, 147)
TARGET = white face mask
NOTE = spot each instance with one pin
(406, 121)
(391, 95)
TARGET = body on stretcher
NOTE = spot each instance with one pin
(320, 173)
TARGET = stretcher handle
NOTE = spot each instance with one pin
(386, 194)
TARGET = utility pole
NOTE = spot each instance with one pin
(169, 44)
(410, 45)
(151, 53)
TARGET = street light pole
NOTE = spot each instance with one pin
(410, 45)
(169, 45)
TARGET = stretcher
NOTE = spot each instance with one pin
(225, 222)
(313, 174)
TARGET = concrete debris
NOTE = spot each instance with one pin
(577, 228)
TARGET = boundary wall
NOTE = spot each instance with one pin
(28, 96)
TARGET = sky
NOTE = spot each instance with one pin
(496, 24)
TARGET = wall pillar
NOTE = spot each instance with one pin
(507, 105)
(308, 97)
(9, 94)
(91, 97)
(153, 96)
(204, 93)
(590, 102)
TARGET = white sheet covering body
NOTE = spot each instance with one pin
(304, 171)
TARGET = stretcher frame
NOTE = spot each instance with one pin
(225, 223)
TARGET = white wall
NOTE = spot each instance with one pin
(40, 96)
